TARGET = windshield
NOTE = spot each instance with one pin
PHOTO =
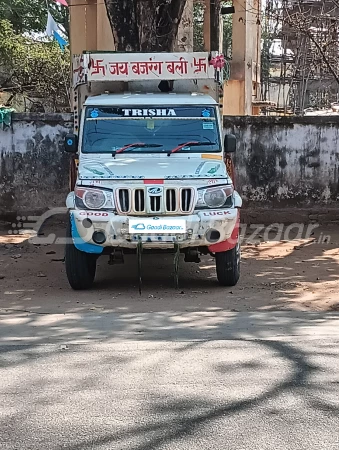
(150, 129)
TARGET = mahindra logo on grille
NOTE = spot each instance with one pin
(155, 190)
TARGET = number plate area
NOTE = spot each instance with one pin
(157, 226)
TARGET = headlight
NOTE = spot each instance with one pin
(215, 197)
(93, 198)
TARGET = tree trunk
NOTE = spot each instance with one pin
(145, 25)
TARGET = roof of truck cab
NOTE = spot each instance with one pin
(149, 99)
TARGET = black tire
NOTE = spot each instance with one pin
(228, 266)
(80, 266)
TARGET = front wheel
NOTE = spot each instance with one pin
(228, 266)
(80, 266)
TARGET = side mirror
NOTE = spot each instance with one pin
(71, 143)
(230, 143)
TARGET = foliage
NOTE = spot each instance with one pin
(30, 16)
(33, 69)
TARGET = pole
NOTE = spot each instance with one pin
(207, 26)
(214, 25)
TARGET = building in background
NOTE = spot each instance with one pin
(300, 55)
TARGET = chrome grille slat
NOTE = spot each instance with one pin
(124, 200)
(139, 200)
(155, 203)
(171, 203)
(186, 199)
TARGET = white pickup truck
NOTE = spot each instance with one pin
(150, 170)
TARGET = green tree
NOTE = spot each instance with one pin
(32, 70)
(30, 16)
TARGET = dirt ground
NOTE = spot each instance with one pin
(300, 274)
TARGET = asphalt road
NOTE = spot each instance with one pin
(177, 380)
(252, 367)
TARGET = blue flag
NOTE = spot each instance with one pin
(52, 29)
(61, 41)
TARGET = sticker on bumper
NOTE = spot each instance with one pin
(157, 226)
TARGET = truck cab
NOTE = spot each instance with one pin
(151, 176)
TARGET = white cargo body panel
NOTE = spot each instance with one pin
(117, 73)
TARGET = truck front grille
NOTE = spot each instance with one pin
(140, 201)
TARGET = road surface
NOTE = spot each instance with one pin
(207, 380)
(252, 367)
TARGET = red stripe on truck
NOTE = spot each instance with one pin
(230, 242)
(153, 181)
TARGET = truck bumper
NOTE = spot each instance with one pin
(205, 228)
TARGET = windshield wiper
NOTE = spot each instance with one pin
(190, 144)
(135, 145)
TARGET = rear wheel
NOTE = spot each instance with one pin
(80, 266)
(228, 266)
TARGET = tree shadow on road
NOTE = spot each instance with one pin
(172, 417)
(187, 419)
(31, 340)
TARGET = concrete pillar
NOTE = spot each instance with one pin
(90, 29)
(77, 25)
(244, 84)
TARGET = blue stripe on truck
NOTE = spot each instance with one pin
(80, 244)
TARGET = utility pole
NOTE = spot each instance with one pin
(207, 26)
(215, 25)
(212, 25)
